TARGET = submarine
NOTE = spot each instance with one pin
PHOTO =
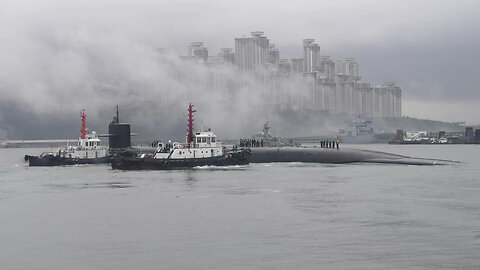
(335, 156)
(274, 149)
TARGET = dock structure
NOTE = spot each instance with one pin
(23, 143)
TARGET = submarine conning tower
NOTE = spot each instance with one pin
(119, 133)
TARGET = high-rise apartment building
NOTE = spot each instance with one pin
(274, 53)
(395, 102)
(251, 52)
(326, 67)
(297, 65)
(227, 55)
(198, 51)
(284, 66)
(362, 99)
(311, 55)
(350, 67)
(386, 100)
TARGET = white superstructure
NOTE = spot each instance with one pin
(88, 148)
(204, 145)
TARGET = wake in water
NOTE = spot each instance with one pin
(222, 168)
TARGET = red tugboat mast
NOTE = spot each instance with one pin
(83, 115)
(190, 124)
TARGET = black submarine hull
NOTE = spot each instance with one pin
(334, 156)
(122, 162)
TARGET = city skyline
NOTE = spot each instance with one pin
(321, 84)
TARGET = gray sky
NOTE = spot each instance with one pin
(429, 47)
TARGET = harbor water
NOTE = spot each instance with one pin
(260, 216)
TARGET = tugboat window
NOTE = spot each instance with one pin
(213, 139)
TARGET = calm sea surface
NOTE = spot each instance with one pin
(263, 216)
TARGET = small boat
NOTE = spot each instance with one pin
(88, 150)
(201, 149)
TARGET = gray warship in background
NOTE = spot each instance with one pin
(361, 132)
(268, 140)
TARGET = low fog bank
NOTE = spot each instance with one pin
(56, 75)
(149, 122)
(18, 122)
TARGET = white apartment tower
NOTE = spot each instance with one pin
(327, 67)
(387, 100)
(311, 55)
(350, 67)
(251, 52)
(198, 51)
(362, 99)
(274, 54)
(297, 65)
(227, 55)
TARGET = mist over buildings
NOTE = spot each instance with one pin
(58, 57)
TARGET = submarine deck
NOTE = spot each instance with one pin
(336, 156)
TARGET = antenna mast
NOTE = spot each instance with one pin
(190, 124)
(83, 116)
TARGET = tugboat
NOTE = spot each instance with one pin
(89, 150)
(200, 149)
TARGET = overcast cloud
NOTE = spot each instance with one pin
(63, 48)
